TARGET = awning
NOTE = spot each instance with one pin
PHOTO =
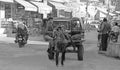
(28, 6)
(42, 8)
(11, 1)
(117, 11)
(105, 11)
(58, 6)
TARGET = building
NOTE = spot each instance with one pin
(5, 14)
(59, 9)
(30, 10)
(6, 9)
(43, 8)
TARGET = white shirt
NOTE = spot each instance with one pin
(115, 29)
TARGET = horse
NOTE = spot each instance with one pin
(56, 47)
(60, 48)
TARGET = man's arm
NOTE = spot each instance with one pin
(26, 27)
(101, 27)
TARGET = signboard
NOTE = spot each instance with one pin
(5, 24)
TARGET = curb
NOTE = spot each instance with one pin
(11, 40)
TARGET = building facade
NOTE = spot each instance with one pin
(32, 13)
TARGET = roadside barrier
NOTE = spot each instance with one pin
(113, 49)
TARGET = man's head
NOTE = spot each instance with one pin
(104, 20)
(116, 23)
(59, 28)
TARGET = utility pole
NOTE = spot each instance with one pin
(108, 9)
(87, 10)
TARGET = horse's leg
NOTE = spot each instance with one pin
(62, 58)
(57, 58)
(63, 54)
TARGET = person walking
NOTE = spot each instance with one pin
(105, 28)
(50, 24)
(99, 35)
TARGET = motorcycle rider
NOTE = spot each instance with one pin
(21, 28)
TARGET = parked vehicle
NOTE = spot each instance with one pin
(113, 36)
(95, 24)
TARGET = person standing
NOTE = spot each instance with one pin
(50, 24)
(116, 31)
(99, 35)
(105, 28)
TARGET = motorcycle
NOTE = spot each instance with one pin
(21, 40)
(113, 36)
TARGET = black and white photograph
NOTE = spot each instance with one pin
(59, 34)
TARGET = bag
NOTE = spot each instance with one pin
(14, 31)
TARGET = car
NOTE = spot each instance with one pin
(95, 24)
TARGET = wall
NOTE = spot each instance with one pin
(2, 10)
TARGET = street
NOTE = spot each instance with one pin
(34, 57)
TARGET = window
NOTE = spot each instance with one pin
(7, 10)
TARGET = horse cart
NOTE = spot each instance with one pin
(73, 27)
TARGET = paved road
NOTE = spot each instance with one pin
(34, 57)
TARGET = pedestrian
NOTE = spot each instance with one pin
(99, 35)
(50, 24)
(105, 28)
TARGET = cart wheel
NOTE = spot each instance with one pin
(80, 52)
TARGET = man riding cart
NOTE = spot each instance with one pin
(63, 38)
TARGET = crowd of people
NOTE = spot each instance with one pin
(106, 32)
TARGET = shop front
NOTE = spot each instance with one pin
(58, 9)
(5, 14)
(5, 10)
(24, 10)
(29, 13)
(43, 8)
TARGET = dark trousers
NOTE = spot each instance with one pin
(104, 42)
